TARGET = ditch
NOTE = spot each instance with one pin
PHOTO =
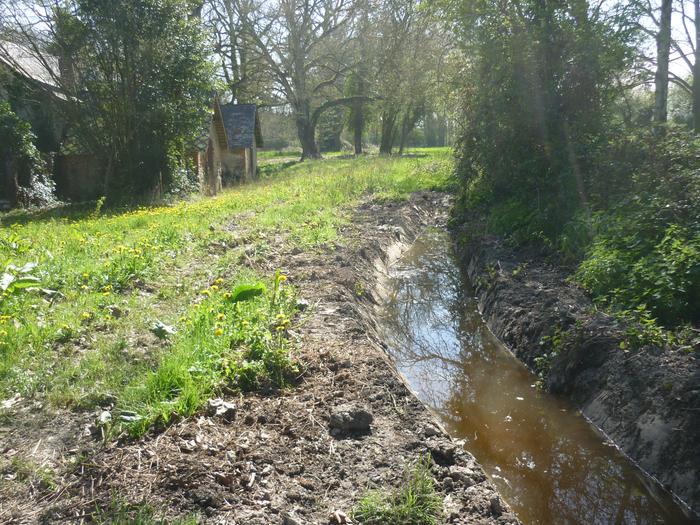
(547, 460)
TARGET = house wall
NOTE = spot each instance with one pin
(251, 163)
(234, 165)
(211, 180)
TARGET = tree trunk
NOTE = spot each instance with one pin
(406, 128)
(357, 139)
(696, 70)
(306, 132)
(404, 134)
(663, 47)
(386, 143)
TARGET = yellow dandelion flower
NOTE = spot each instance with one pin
(283, 278)
(214, 287)
(221, 317)
(218, 332)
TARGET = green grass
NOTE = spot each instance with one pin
(415, 503)
(121, 513)
(109, 276)
(273, 154)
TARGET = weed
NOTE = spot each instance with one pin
(235, 337)
(415, 503)
(25, 470)
(557, 342)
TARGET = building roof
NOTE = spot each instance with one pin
(242, 125)
(43, 70)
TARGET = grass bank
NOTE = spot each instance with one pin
(143, 308)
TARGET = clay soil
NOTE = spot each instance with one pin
(274, 460)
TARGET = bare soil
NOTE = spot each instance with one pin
(274, 459)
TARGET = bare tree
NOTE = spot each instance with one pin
(305, 45)
(243, 69)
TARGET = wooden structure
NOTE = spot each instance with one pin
(228, 155)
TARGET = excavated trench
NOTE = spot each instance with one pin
(548, 461)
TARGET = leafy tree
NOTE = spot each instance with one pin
(242, 69)
(540, 82)
(136, 80)
(357, 85)
(330, 127)
(304, 45)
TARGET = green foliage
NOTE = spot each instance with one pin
(415, 503)
(553, 344)
(16, 137)
(330, 126)
(28, 185)
(642, 330)
(142, 86)
(15, 279)
(646, 252)
(539, 86)
(549, 156)
(243, 292)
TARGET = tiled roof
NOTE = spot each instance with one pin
(241, 124)
(27, 64)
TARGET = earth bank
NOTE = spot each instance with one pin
(645, 400)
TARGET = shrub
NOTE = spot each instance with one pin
(29, 185)
(646, 252)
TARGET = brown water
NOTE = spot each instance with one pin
(549, 463)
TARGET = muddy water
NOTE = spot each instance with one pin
(545, 458)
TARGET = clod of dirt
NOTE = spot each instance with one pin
(206, 497)
(115, 311)
(496, 505)
(350, 418)
(288, 519)
(220, 408)
(338, 518)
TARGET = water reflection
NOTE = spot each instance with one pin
(551, 465)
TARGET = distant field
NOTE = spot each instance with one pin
(271, 156)
(136, 306)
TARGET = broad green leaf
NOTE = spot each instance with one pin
(244, 292)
